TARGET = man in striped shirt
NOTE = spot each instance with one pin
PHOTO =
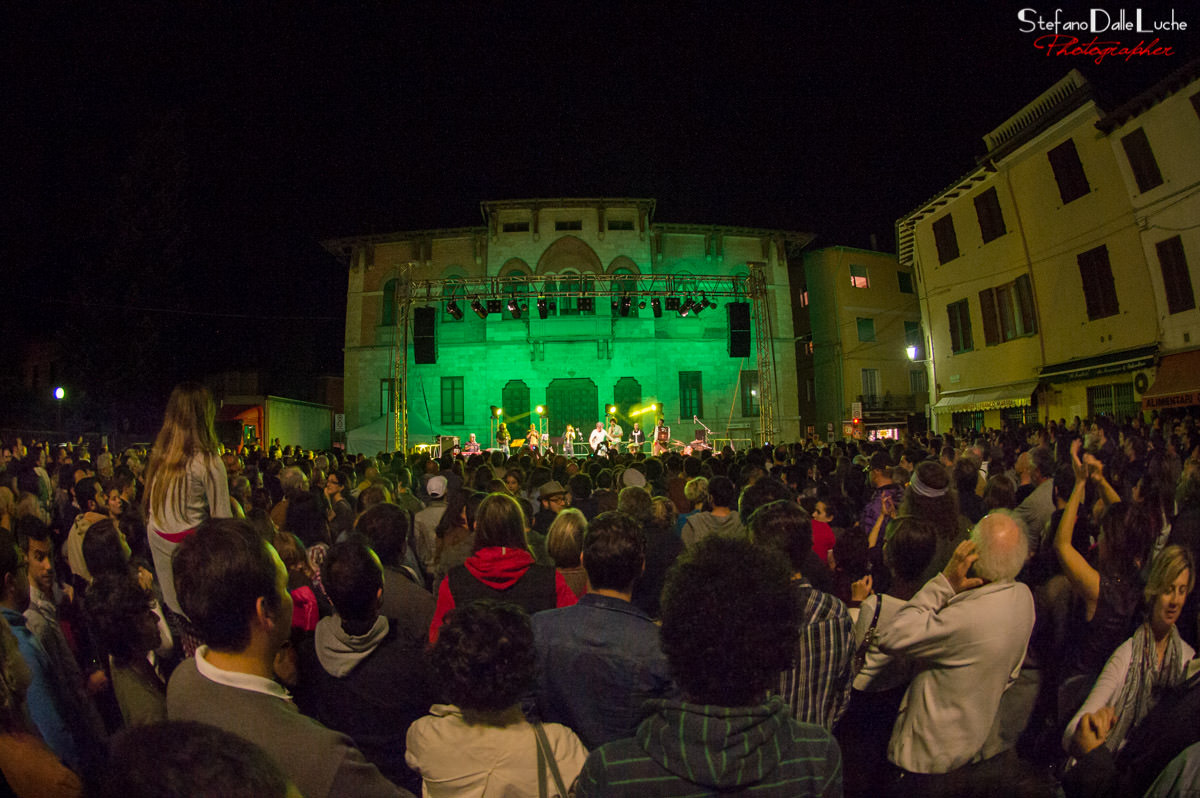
(817, 685)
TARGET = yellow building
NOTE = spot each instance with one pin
(1032, 274)
(574, 346)
(1154, 137)
(856, 314)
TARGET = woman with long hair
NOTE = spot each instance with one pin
(501, 567)
(185, 481)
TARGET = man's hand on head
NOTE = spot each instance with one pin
(957, 571)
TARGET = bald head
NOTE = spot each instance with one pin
(1001, 545)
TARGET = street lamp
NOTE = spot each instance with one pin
(59, 395)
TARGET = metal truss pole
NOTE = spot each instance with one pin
(761, 309)
(400, 385)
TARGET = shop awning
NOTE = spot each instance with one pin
(1015, 395)
(1177, 383)
(1084, 368)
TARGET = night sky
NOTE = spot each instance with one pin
(170, 170)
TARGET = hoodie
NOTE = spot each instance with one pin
(682, 746)
(500, 568)
(702, 524)
(339, 652)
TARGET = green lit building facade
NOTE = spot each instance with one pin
(597, 285)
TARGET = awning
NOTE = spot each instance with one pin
(1084, 368)
(1015, 395)
(1177, 383)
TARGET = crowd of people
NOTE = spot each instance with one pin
(1002, 613)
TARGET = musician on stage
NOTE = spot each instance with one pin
(568, 441)
(502, 437)
(636, 438)
(614, 431)
(472, 446)
(532, 439)
(597, 437)
(662, 437)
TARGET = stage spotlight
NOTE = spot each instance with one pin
(499, 412)
(454, 310)
(514, 308)
(587, 304)
(687, 307)
(705, 302)
(541, 410)
(478, 307)
(612, 409)
(494, 306)
(626, 304)
(656, 306)
(672, 303)
(543, 307)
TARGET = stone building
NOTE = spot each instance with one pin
(612, 309)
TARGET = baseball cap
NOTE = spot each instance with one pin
(436, 486)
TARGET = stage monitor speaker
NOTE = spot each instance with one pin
(424, 340)
(739, 328)
(448, 443)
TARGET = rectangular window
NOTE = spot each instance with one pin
(960, 326)
(691, 394)
(1099, 290)
(912, 334)
(568, 224)
(620, 224)
(858, 276)
(452, 400)
(870, 386)
(387, 396)
(804, 299)
(866, 329)
(906, 283)
(947, 241)
(1008, 311)
(1177, 281)
(1068, 171)
(991, 220)
(917, 382)
(1141, 160)
(749, 393)
(1116, 400)
(515, 227)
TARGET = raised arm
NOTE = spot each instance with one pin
(1084, 579)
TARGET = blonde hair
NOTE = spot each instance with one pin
(564, 540)
(1167, 566)
(696, 490)
(187, 432)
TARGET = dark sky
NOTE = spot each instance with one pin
(183, 164)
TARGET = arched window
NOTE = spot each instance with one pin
(627, 395)
(387, 308)
(515, 401)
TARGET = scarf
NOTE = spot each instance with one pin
(1145, 683)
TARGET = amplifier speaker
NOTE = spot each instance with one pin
(424, 341)
(739, 328)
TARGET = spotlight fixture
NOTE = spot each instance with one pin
(494, 306)
(541, 410)
(672, 303)
(495, 411)
(478, 307)
(612, 409)
(656, 306)
(514, 308)
(544, 307)
(454, 310)
(705, 302)
(587, 304)
(687, 307)
(626, 304)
